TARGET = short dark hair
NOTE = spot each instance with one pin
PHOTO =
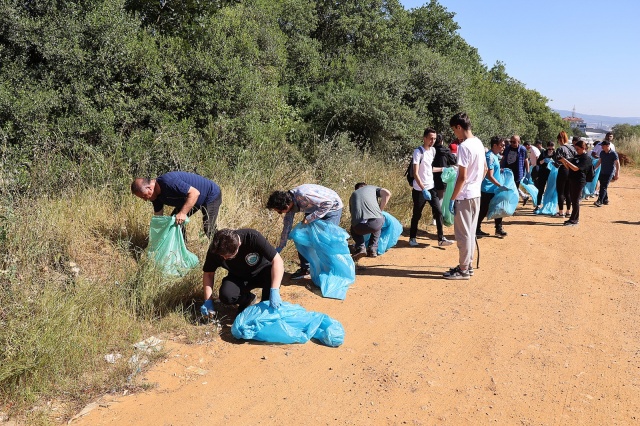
(438, 139)
(460, 119)
(551, 144)
(225, 242)
(496, 140)
(538, 142)
(279, 200)
(608, 134)
(138, 184)
(429, 130)
(581, 144)
(605, 142)
(360, 185)
(526, 143)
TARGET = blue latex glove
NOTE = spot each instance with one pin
(278, 249)
(426, 194)
(547, 160)
(452, 207)
(504, 188)
(274, 298)
(207, 307)
(527, 176)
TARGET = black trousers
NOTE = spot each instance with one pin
(562, 186)
(235, 289)
(541, 183)
(371, 226)
(575, 192)
(485, 200)
(209, 217)
(418, 204)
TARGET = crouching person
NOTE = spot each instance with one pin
(367, 218)
(252, 263)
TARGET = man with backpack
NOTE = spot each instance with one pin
(423, 187)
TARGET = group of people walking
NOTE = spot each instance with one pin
(252, 262)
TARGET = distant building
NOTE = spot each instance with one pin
(576, 122)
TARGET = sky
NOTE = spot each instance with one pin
(583, 54)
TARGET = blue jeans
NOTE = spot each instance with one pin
(332, 217)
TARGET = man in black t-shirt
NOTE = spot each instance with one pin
(252, 263)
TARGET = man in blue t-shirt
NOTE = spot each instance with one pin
(186, 192)
(609, 164)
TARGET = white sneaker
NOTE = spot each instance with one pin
(413, 242)
(444, 242)
(434, 222)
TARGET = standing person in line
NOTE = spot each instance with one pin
(597, 149)
(609, 164)
(577, 167)
(465, 200)
(252, 263)
(516, 158)
(316, 202)
(533, 153)
(187, 192)
(424, 189)
(443, 158)
(490, 186)
(543, 172)
(366, 217)
(566, 151)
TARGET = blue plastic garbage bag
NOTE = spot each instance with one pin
(325, 246)
(167, 247)
(550, 196)
(527, 185)
(505, 201)
(288, 324)
(389, 234)
(449, 176)
(590, 187)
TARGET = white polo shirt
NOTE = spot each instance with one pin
(471, 156)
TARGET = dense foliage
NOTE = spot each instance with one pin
(94, 90)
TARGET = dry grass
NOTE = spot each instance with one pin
(75, 284)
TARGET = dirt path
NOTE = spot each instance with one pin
(545, 333)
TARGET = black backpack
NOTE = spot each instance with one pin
(409, 172)
(590, 173)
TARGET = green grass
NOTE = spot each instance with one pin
(75, 283)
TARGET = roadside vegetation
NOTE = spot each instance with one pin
(257, 95)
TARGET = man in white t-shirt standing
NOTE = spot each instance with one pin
(465, 200)
(595, 152)
(424, 188)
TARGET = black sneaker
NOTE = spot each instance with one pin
(500, 233)
(470, 270)
(456, 274)
(524, 200)
(597, 204)
(356, 256)
(481, 234)
(570, 223)
(245, 301)
(301, 274)
(372, 253)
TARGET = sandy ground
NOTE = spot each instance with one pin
(544, 333)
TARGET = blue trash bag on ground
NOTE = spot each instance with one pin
(550, 196)
(389, 235)
(325, 246)
(590, 187)
(167, 247)
(449, 176)
(505, 201)
(288, 324)
(527, 185)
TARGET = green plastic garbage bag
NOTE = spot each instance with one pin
(167, 248)
(449, 176)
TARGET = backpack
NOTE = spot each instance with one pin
(409, 172)
(590, 173)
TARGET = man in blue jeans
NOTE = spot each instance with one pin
(316, 202)
(609, 164)
(186, 192)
